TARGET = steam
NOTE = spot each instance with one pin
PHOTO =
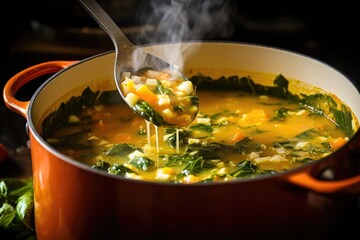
(179, 20)
(185, 20)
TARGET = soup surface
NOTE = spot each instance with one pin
(236, 134)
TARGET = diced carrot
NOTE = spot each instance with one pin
(337, 143)
(237, 136)
(144, 93)
(129, 86)
(256, 116)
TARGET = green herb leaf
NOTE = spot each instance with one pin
(117, 169)
(147, 112)
(143, 163)
(121, 149)
(101, 165)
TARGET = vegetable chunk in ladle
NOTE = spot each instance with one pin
(153, 88)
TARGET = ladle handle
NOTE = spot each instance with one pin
(25, 76)
(121, 42)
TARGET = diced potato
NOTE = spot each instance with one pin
(221, 171)
(137, 79)
(168, 113)
(275, 158)
(253, 155)
(193, 109)
(163, 100)
(263, 97)
(203, 120)
(136, 153)
(301, 112)
(131, 99)
(301, 145)
(186, 87)
(179, 93)
(280, 150)
(151, 82)
(73, 119)
(165, 173)
(133, 176)
(193, 140)
(191, 179)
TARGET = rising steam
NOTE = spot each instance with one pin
(180, 20)
(186, 20)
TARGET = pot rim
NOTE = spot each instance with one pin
(303, 168)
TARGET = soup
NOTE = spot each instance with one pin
(243, 129)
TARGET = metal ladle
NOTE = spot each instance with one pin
(129, 58)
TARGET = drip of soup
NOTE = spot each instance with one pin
(236, 134)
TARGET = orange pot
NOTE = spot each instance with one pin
(73, 201)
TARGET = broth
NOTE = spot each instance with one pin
(235, 135)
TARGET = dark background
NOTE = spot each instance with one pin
(47, 30)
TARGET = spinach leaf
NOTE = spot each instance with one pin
(247, 85)
(143, 163)
(54, 120)
(211, 150)
(171, 137)
(247, 145)
(118, 169)
(121, 149)
(245, 169)
(101, 165)
(160, 89)
(16, 207)
(196, 166)
(202, 127)
(343, 119)
(72, 141)
(147, 112)
(280, 114)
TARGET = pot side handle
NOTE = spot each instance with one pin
(305, 180)
(25, 76)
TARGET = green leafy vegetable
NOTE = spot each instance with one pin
(121, 149)
(202, 127)
(16, 208)
(160, 89)
(171, 137)
(147, 112)
(280, 114)
(72, 140)
(101, 165)
(143, 163)
(344, 119)
(118, 169)
(196, 166)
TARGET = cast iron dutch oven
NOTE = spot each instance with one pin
(74, 201)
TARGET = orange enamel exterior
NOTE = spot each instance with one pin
(73, 201)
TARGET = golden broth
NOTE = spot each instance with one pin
(235, 135)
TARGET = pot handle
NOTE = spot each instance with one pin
(305, 180)
(25, 76)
